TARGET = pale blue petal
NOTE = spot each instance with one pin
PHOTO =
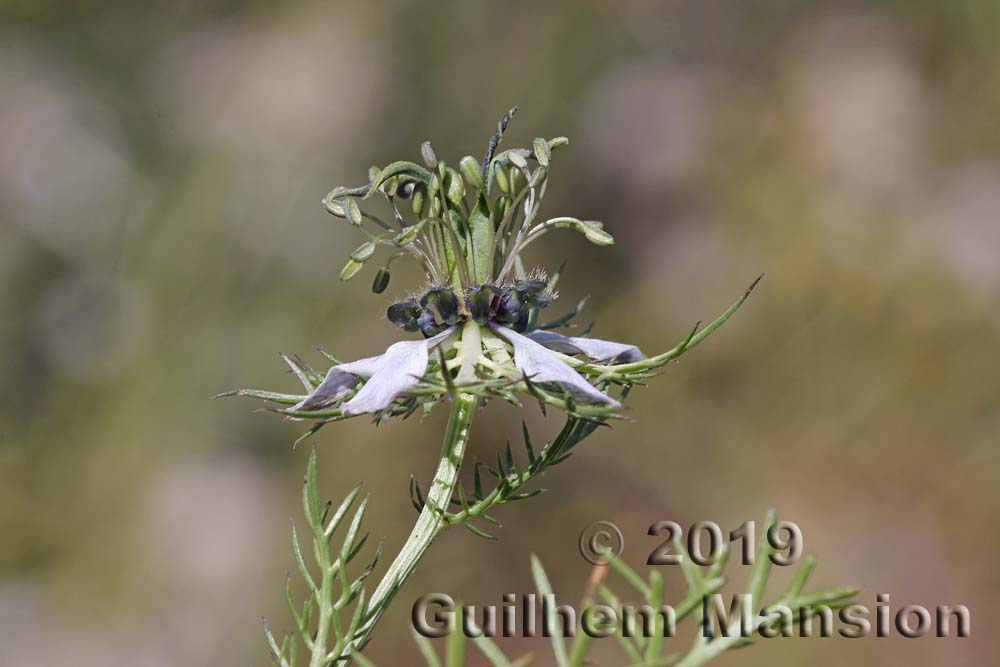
(595, 348)
(540, 365)
(390, 374)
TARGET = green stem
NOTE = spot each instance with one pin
(431, 521)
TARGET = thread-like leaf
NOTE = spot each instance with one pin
(545, 588)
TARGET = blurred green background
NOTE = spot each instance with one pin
(162, 240)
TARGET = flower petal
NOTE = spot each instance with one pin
(595, 348)
(540, 365)
(390, 374)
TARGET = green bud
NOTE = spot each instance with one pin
(364, 252)
(517, 159)
(593, 230)
(436, 207)
(335, 206)
(381, 281)
(538, 176)
(408, 234)
(352, 210)
(333, 202)
(427, 152)
(391, 186)
(456, 187)
(500, 209)
(350, 269)
(542, 152)
(517, 180)
(472, 172)
(419, 199)
(502, 181)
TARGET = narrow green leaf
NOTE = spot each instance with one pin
(762, 565)
(338, 516)
(491, 651)
(310, 494)
(455, 651)
(545, 588)
(477, 482)
(476, 531)
(426, 649)
(301, 561)
(527, 444)
(352, 531)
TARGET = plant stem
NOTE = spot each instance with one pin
(431, 521)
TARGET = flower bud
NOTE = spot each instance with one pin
(542, 152)
(419, 199)
(501, 207)
(364, 252)
(350, 269)
(455, 187)
(502, 181)
(472, 171)
(427, 152)
(352, 211)
(408, 234)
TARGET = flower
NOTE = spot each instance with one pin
(479, 318)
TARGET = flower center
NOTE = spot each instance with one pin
(515, 306)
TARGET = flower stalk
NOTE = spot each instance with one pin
(433, 517)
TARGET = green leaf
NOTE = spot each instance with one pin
(762, 565)
(341, 512)
(477, 483)
(545, 588)
(491, 651)
(426, 649)
(310, 495)
(455, 651)
(301, 561)
(352, 532)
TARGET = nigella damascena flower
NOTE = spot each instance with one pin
(480, 319)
